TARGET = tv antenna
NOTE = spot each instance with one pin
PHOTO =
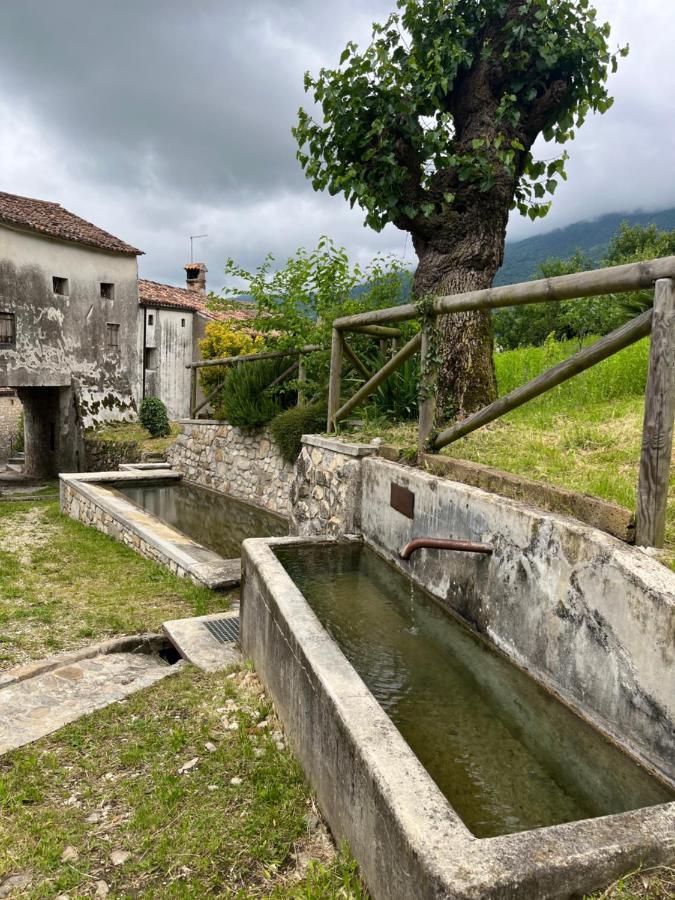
(193, 238)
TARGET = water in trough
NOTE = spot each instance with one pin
(507, 754)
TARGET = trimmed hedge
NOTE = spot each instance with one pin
(288, 427)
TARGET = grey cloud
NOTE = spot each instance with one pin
(161, 118)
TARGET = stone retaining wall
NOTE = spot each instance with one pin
(10, 413)
(326, 491)
(105, 456)
(245, 464)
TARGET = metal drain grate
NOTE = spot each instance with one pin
(225, 631)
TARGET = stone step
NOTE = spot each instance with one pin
(15, 467)
(36, 706)
(197, 645)
(19, 459)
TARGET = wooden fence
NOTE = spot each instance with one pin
(657, 439)
(226, 361)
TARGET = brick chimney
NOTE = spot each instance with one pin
(196, 277)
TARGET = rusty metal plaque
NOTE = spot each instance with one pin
(402, 500)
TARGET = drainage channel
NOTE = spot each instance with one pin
(44, 697)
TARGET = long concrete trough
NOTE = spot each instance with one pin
(376, 795)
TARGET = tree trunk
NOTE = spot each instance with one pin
(448, 265)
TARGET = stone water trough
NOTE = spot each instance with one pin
(590, 620)
(136, 506)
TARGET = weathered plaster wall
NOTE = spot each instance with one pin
(589, 616)
(10, 414)
(246, 464)
(168, 347)
(61, 340)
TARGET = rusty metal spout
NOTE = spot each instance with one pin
(440, 544)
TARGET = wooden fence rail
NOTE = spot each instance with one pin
(248, 357)
(656, 453)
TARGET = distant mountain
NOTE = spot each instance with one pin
(592, 236)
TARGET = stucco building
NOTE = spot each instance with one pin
(82, 339)
(172, 322)
(69, 342)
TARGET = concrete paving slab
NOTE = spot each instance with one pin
(197, 645)
(37, 706)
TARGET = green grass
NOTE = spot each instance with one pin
(585, 435)
(63, 585)
(132, 431)
(111, 782)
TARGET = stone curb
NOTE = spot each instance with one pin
(145, 642)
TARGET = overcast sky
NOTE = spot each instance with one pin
(158, 119)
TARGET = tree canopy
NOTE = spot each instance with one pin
(447, 101)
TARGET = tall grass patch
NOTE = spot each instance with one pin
(619, 377)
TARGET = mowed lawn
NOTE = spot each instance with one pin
(184, 790)
(64, 585)
(190, 782)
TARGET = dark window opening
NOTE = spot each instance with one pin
(107, 290)
(151, 320)
(182, 323)
(7, 329)
(60, 286)
(151, 358)
(52, 437)
(113, 335)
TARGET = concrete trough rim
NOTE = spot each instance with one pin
(557, 861)
(201, 564)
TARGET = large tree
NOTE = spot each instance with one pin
(431, 128)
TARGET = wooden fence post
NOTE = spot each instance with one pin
(427, 403)
(302, 378)
(193, 392)
(657, 433)
(335, 382)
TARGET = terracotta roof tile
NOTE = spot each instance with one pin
(153, 293)
(52, 219)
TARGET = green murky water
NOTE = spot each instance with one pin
(214, 520)
(507, 755)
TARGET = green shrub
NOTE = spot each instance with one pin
(246, 400)
(153, 417)
(289, 426)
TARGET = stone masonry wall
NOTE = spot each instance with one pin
(245, 464)
(10, 412)
(326, 491)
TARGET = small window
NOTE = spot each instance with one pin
(113, 335)
(7, 329)
(107, 290)
(182, 323)
(60, 286)
(151, 358)
(151, 320)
